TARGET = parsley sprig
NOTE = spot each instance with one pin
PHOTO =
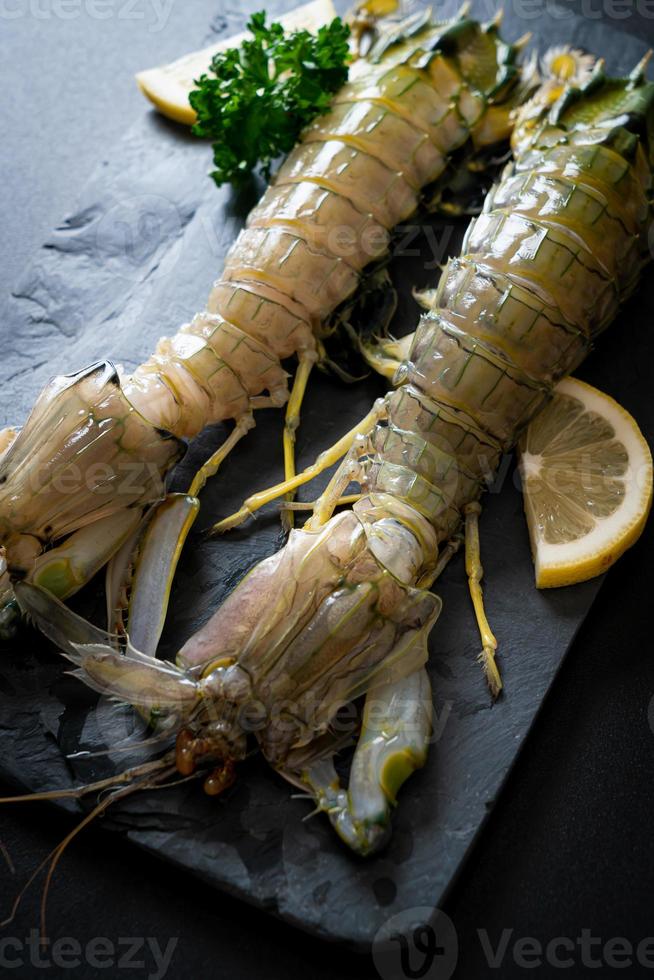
(259, 97)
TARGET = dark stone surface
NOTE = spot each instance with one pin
(253, 841)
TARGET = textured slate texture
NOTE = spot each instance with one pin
(135, 259)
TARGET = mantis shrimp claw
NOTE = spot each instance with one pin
(393, 743)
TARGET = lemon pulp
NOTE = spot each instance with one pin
(587, 481)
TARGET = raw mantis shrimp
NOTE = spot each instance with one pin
(344, 609)
(93, 457)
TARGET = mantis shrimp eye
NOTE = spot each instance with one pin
(188, 750)
(222, 777)
(185, 753)
(567, 64)
(191, 748)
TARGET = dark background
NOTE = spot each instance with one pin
(569, 845)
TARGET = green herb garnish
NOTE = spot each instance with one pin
(259, 97)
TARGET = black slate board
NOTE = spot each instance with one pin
(135, 259)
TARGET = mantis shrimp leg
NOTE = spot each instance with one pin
(211, 467)
(306, 364)
(326, 459)
(475, 572)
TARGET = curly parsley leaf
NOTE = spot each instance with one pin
(259, 97)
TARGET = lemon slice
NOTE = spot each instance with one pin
(587, 480)
(168, 86)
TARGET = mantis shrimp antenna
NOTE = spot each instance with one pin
(153, 775)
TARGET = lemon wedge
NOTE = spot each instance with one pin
(587, 482)
(168, 86)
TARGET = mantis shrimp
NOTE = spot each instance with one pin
(344, 609)
(92, 459)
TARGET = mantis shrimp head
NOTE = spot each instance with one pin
(200, 712)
